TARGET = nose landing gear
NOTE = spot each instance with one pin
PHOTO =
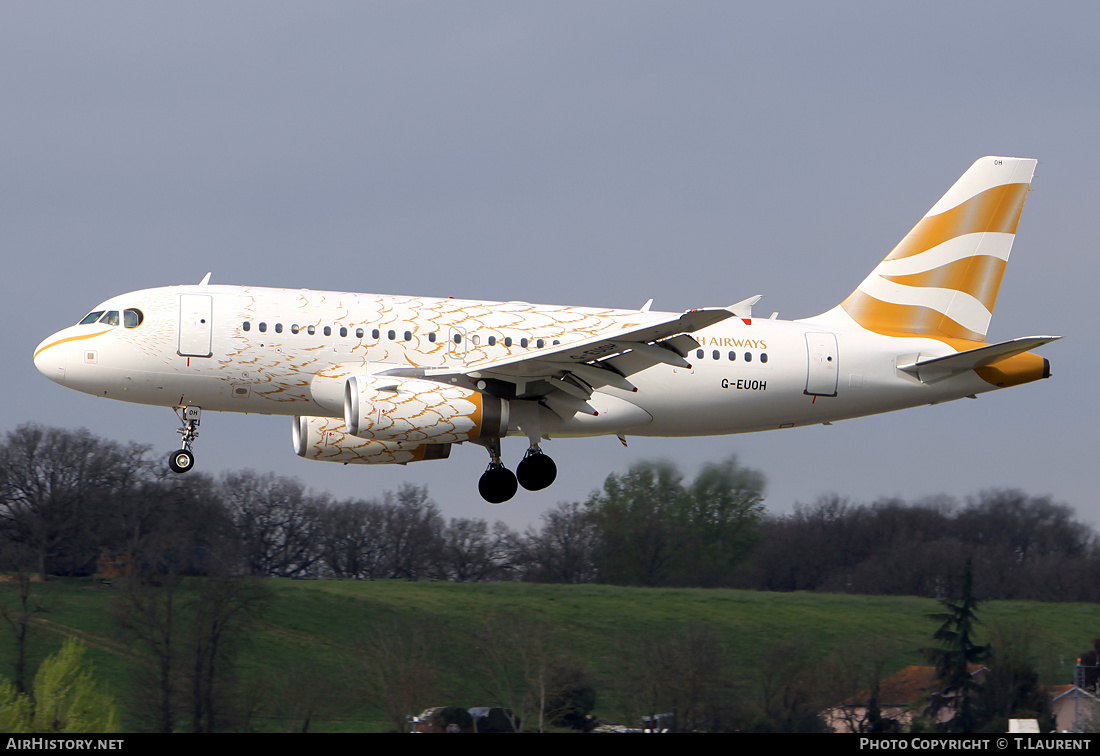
(183, 459)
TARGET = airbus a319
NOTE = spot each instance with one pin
(380, 379)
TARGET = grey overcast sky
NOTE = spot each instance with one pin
(586, 153)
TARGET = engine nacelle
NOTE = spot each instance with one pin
(416, 411)
(327, 439)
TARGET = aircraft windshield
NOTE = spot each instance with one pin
(131, 318)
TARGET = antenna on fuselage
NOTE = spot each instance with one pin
(205, 280)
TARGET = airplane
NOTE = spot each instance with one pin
(379, 379)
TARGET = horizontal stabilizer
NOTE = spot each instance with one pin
(938, 368)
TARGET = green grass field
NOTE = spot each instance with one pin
(312, 641)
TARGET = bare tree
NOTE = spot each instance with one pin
(563, 550)
(150, 609)
(223, 608)
(471, 551)
(525, 668)
(401, 670)
(353, 543)
(278, 523)
(55, 486)
(19, 620)
(413, 529)
(685, 673)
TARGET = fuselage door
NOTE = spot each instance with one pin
(822, 365)
(196, 311)
(456, 343)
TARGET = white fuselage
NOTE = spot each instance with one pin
(290, 352)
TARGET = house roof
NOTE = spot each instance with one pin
(1060, 691)
(904, 687)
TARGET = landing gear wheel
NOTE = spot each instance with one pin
(536, 471)
(498, 484)
(181, 460)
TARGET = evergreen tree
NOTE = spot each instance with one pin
(957, 651)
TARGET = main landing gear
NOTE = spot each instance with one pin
(183, 459)
(498, 484)
(536, 471)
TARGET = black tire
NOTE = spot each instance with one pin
(181, 460)
(536, 472)
(498, 485)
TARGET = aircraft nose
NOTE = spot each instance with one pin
(49, 359)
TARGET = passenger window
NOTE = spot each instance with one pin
(343, 331)
(763, 356)
(507, 341)
(91, 317)
(715, 355)
(408, 335)
(278, 328)
(523, 342)
(698, 354)
(540, 343)
(263, 327)
(293, 328)
(492, 341)
(359, 333)
(374, 334)
(431, 337)
(733, 356)
(132, 318)
(328, 331)
(311, 330)
(748, 356)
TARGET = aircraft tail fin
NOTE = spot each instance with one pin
(942, 279)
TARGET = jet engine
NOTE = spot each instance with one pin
(328, 440)
(415, 411)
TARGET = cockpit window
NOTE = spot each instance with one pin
(91, 317)
(132, 318)
(111, 318)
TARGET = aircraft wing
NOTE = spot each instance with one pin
(565, 375)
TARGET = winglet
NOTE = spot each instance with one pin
(205, 280)
(743, 309)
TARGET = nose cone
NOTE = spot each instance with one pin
(49, 358)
